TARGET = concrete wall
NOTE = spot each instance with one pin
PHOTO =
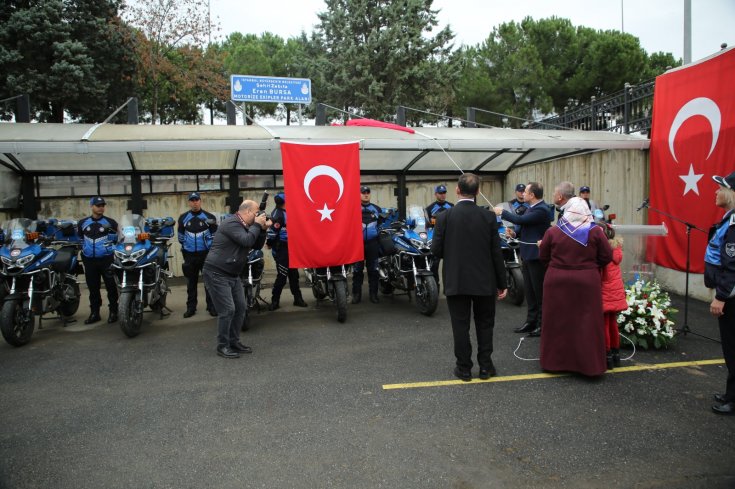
(162, 205)
(618, 178)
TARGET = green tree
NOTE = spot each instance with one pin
(378, 54)
(163, 28)
(69, 56)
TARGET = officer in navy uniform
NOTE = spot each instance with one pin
(371, 219)
(719, 274)
(196, 229)
(434, 209)
(98, 233)
(277, 239)
(517, 206)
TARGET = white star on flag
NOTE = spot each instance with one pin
(327, 212)
(691, 181)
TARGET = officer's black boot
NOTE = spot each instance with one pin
(274, 303)
(356, 296)
(112, 318)
(94, 316)
(374, 297)
(298, 301)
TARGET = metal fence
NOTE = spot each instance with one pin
(628, 111)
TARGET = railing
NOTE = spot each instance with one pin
(628, 111)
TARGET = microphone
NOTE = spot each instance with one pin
(643, 204)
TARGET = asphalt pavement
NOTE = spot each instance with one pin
(368, 403)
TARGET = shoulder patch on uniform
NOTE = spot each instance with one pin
(730, 249)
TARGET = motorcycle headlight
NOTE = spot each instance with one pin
(25, 260)
(6, 260)
(119, 254)
(418, 243)
(137, 254)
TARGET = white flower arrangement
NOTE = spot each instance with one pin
(648, 319)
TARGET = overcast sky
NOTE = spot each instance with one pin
(657, 23)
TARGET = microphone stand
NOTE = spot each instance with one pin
(685, 328)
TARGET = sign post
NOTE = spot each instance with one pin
(245, 88)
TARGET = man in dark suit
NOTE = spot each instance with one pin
(466, 238)
(533, 224)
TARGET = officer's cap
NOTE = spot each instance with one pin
(279, 198)
(520, 187)
(195, 196)
(727, 182)
(440, 189)
(97, 201)
(584, 188)
(364, 189)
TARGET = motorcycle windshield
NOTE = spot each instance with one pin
(130, 226)
(416, 215)
(17, 231)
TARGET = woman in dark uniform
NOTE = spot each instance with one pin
(719, 274)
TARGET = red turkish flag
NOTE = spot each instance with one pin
(692, 139)
(322, 186)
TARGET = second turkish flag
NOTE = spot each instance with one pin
(322, 186)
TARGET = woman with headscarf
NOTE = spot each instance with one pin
(575, 251)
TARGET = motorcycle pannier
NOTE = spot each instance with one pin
(386, 244)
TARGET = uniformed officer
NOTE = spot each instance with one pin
(371, 219)
(432, 210)
(277, 239)
(719, 274)
(518, 200)
(98, 233)
(584, 193)
(196, 229)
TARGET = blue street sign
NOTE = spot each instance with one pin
(244, 88)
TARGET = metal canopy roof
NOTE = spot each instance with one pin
(108, 148)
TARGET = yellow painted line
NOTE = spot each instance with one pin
(513, 378)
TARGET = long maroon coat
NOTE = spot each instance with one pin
(573, 338)
(613, 290)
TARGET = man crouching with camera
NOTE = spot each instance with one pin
(235, 237)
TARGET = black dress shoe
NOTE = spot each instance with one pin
(227, 352)
(526, 328)
(189, 313)
(536, 332)
(463, 375)
(374, 298)
(356, 298)
(487, 372)
(727, 409)
(720, 398)
(299, 302)
(212, 313)
(240, 348)
(112, 318)
(93, 318)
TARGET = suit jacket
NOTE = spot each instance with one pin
(534, 223)
(466, 238)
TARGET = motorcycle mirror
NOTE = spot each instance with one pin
(605, 207)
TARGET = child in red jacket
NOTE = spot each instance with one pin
(613, 298)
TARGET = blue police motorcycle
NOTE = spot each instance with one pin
(406, 260)
(141, 268)
(39, 268)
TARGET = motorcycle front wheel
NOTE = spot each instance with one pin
(427, 295)
(130, 313)
(17, 322)
(340, 299)
(516, 294)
